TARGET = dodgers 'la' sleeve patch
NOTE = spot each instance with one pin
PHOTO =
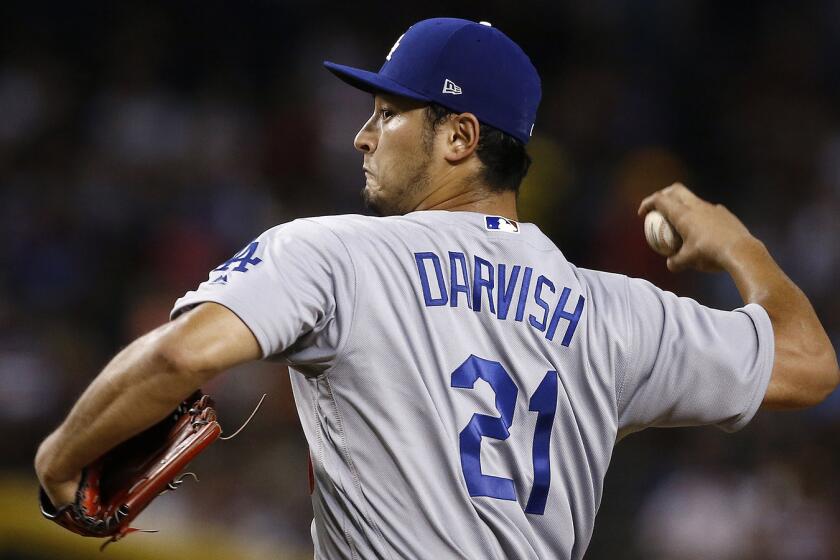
(288, 285)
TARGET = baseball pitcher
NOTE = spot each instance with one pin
(462, 385)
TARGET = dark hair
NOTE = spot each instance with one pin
(504, 157)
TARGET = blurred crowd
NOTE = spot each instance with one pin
(143, 144)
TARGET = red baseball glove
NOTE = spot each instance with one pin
(120, 484)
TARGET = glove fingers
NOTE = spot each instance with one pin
(118, 487)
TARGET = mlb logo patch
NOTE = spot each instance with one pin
(498, 223)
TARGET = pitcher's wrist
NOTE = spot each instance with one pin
(743, 252)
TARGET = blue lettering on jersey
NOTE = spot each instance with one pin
(541, 281)
(560, 312)
(479, 282)
(455, 260)
(505, 295)
(487, 277)
(523, 294)
(543, 402)
(241, 259)
(420, 259)
(483, 425)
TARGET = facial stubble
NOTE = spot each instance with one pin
(400, 199)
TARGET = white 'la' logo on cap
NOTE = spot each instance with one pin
(450, 87)
(397, 44)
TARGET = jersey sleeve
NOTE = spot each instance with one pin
(688, 364)
(293, 286)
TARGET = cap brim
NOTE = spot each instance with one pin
(372, 82)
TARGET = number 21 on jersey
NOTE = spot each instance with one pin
(543, 402)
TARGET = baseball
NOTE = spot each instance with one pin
(661, 235)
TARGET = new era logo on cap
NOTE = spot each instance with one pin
(498, 223)
(450, 87)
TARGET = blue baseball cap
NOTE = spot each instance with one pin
(461, 65)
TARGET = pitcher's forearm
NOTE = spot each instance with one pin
(139, 387)
(805, 366)
(135, 390)
(144, 383)
(759, 279)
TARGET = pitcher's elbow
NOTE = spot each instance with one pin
(826, 375)
(803, 382)
(833, 374)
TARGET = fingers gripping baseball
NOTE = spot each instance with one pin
(709, 231)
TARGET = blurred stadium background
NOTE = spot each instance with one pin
(142, 143)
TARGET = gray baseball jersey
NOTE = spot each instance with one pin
(461, 385)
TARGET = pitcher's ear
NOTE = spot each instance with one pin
(462, 136)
